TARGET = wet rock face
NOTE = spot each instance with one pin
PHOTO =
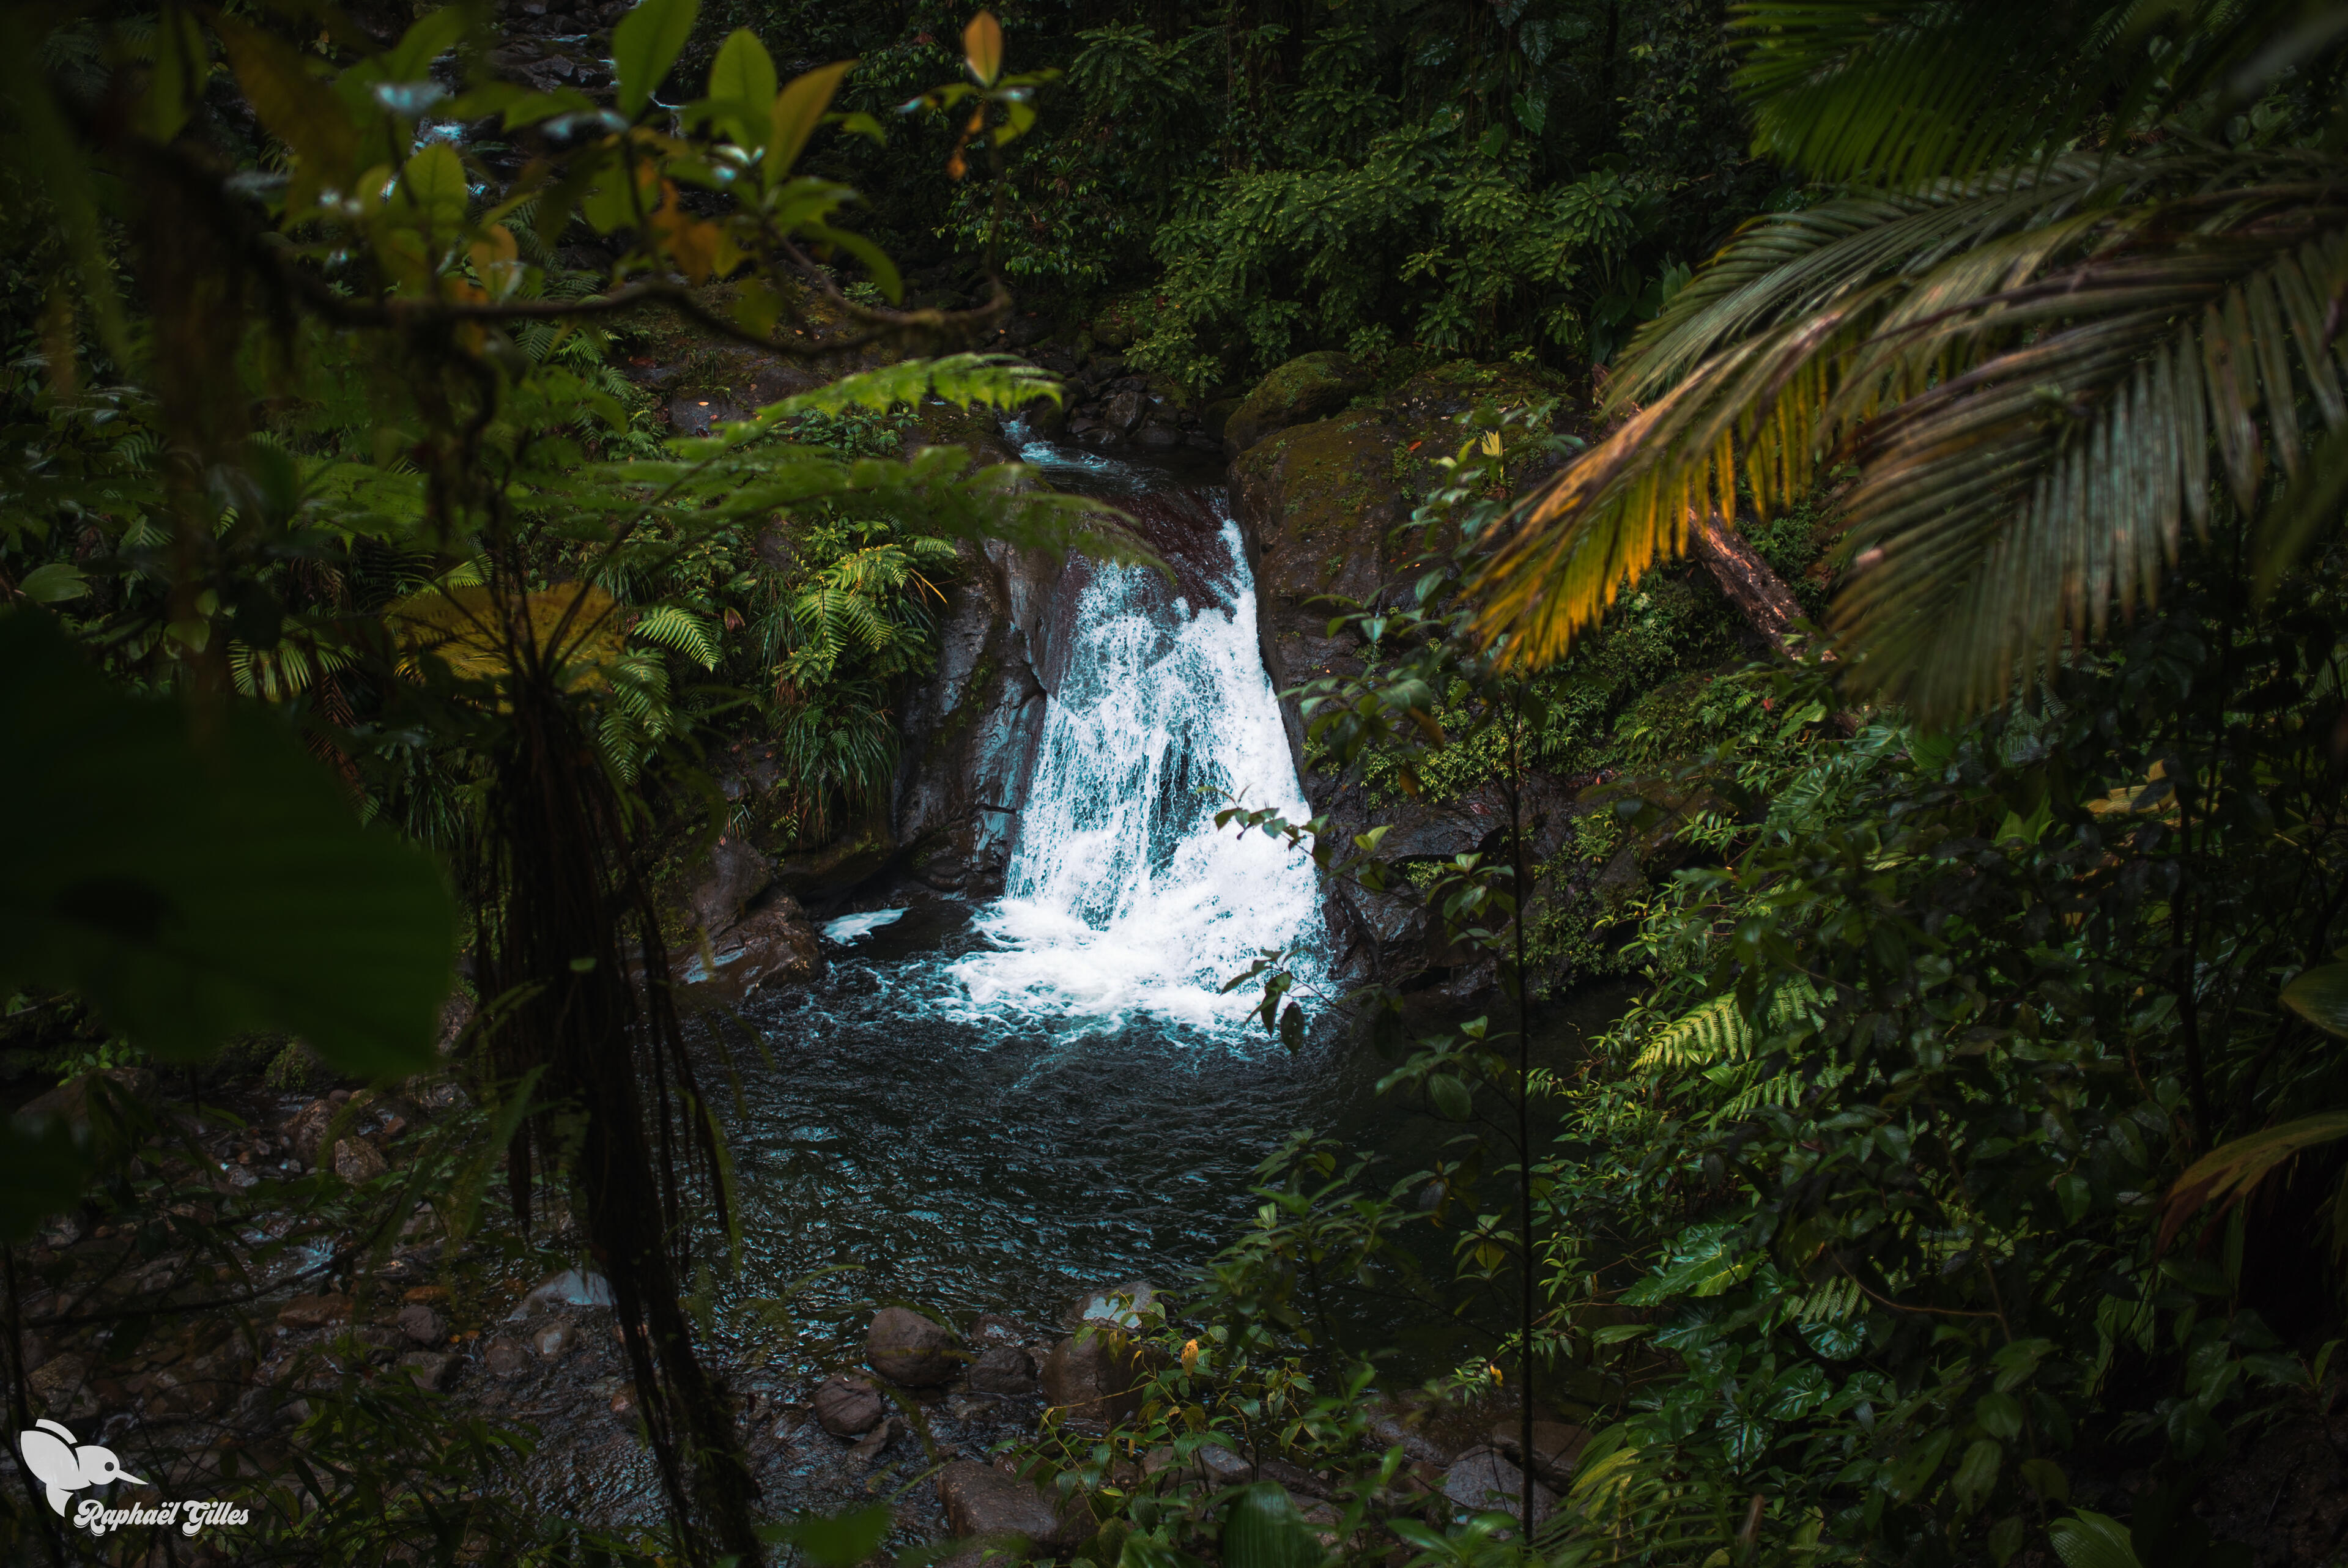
(1093, 1377)
(356, 1159)
(430, 1369)
(734, 875)
(984, 1503)
(908, 1349)
(305, 1129)
(1305, 388)
(1316, 503)
(506, 1359)
(1557, 1447)
(314, 1311)
(774, 944)
(1003, 1369)
(972, 729)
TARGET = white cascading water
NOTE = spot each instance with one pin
(1122, 897)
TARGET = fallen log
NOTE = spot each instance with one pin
(1758, 593)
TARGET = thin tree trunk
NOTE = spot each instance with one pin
(1527, 1286)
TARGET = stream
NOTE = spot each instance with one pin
(1003, 1106)
(995, 1107)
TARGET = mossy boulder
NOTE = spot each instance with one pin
(1316, 503)
(1308, 387)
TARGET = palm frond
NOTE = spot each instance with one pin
(1913, 90)
(1896, 92)
(2029, 370)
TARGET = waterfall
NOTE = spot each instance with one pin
(1121, 897)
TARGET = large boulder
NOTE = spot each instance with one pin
(774, 944)
(307, 1128)
(1481, 1481)
(1306, 388)
(734, 875)
(908, 1349)
(357, 1160)
(986, 1504)
(69, 1102)
(1093, 1377)
(1316, 503)
(421, 1323)
(1557, 1447)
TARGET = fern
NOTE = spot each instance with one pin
(674, 626)
(992, 380)
(1718, 1030)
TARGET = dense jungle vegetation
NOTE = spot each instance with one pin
(1964, 1177)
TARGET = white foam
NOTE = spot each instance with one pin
(1121, 896)
(856, 927)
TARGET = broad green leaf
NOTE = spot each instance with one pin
(1264, 1529)
(799, 110)
(742, 88)
(876, 260)
(2320, 996)
(2090, 1539)
(433, 34)
(54, 584)
(434, 184)
(2045, 1478)
(1616, 1333)
(1977, 1472)
(2000, 1415)
(646, 44)
(1449, 1097)
(196, 875)
(575, 628)
(182, 66)
(529, 108)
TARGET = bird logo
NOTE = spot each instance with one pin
(64, 1466)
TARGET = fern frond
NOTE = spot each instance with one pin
(1718, 1030)
(674, 626)
(992, 380)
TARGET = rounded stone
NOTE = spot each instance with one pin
(908, 1349)
(849, 1407)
